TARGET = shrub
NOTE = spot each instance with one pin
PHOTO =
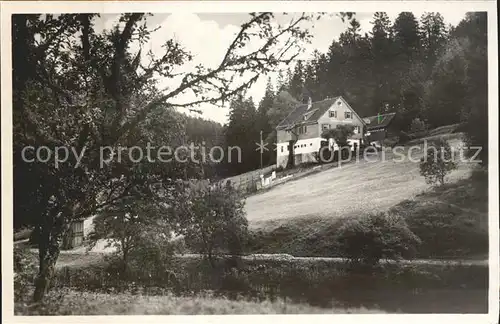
(139, 232)
(417, 125)
(368, 239)
(437, 162)
(340, 135)
(447, 232)
(251, 187)
(25, 271)
(153, 253)
(212, 219)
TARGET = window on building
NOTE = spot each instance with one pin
(325, 126)
(311, 144)
(348, 115)
(356, 129)
(302, 129)
(282, 149)
(333, 114)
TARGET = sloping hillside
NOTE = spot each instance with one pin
(357, 187)
(451, 221)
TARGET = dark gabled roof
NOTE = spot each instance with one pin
(379, 121)
(317, 110)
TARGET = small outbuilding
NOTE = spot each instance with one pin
(379, 127)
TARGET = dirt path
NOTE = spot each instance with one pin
(80, 259)
(287, 257)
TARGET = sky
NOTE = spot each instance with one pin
(207, 35)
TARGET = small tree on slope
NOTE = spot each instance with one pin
(437, 162)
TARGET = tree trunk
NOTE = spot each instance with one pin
(291, 154)
(34, 236)
(125, 263)
(49, 248)
(52, 231)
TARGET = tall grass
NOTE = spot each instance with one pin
(89, 303)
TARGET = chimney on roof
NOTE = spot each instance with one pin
(309, 103)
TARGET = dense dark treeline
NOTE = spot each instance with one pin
(417, 67)
(246, 121)
(206, 134)
(203, 131)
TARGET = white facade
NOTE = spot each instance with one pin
(302, 146)
(309, 135)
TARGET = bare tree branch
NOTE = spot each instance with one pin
(241, 64)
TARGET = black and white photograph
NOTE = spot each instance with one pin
(208, 158)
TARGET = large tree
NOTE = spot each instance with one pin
(458, 89)
(383, 53)
(263, 123)
(407, 35)
(296, 83)
(83, 90)
(433, 34)
(381, 36)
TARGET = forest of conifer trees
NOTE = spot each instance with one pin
(417, 67)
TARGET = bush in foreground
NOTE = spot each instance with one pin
(25, 270)
(212, 219)
(368, 239)
(140, 232)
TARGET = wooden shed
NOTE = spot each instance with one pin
(75, 236)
